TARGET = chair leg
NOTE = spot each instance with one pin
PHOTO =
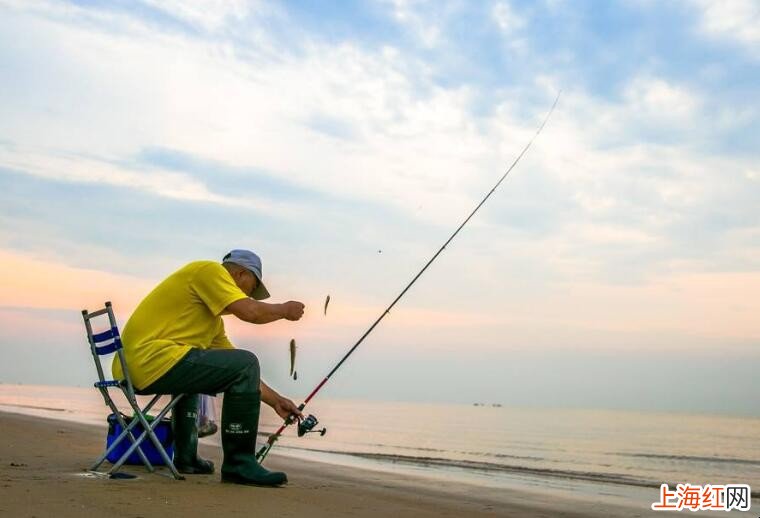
(149, 432)
(154, 438)
(126, 432)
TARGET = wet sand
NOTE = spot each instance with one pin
(42, 473)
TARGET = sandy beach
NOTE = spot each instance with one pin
(42, 473)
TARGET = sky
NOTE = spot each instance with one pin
(617, 267)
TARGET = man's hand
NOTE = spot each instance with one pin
(282, 405)
(293, 310)
(285, 407)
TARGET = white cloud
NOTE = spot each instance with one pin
(737, 20)
(506, 18)
(84, 170)
(510, 23)
(657, 100)
(634, 191)
(595, 234)
(421, 21)
(206, 14)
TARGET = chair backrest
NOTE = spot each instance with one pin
(105, 343)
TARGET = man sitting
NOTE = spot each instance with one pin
(175, 343)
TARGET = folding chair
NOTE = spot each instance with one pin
(107, 343)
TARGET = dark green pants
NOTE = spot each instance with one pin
(210, 371)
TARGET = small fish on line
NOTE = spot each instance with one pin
(327, 301)
(292, 355)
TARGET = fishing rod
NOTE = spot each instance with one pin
(307, 424)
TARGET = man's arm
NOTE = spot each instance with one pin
(257, 312)
(282, 405)
(268, 394)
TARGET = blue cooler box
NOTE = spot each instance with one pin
(163, 432)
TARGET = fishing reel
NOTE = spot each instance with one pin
(307, 424)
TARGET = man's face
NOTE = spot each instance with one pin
(246, 281)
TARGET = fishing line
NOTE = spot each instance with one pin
(310, 421)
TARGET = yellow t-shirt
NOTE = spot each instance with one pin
(182, 312)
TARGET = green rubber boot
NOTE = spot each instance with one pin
(240, 424)
(185, 429)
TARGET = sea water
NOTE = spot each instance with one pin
(594, 451)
